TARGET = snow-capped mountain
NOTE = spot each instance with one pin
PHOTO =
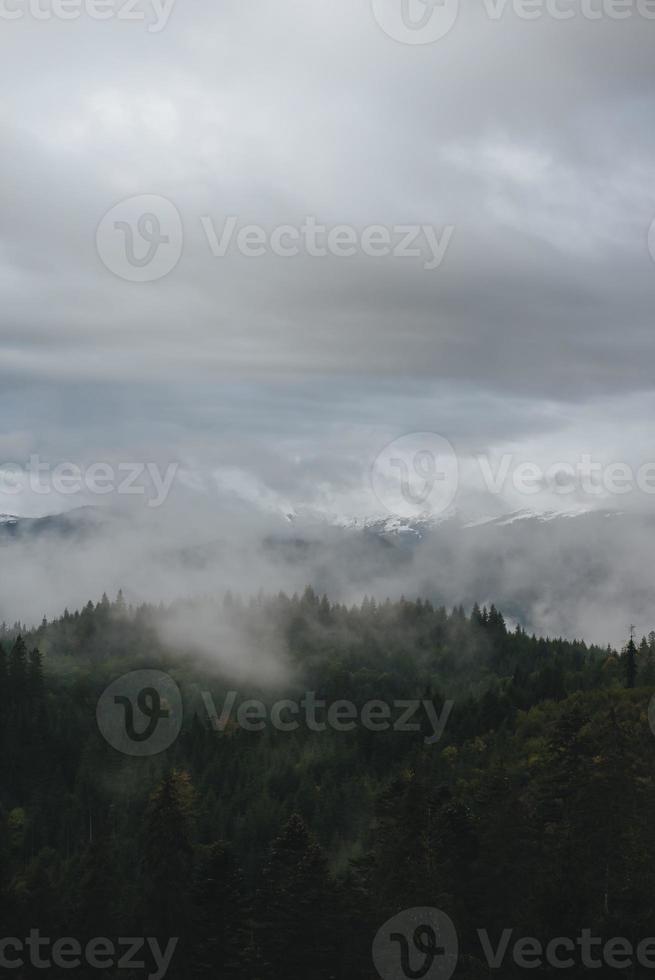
(586, 574)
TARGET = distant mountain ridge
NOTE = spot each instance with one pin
(587, 574)
(71, 522)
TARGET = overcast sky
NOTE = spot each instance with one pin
(526, 146)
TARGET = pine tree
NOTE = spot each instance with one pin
(4, 676)
(168, 858)
(296, 931)
(35, 675)
(630, 662)
(98, 913)
(18, 669)
(222, 916)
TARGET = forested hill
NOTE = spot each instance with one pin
(412, 639)
(519, 794)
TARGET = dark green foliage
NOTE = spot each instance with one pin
(296, 909)
(630, 663)
(280, 853)
(223, 938)
(167, 871)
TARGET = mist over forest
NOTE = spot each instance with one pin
(587, 576)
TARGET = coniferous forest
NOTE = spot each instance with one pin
(273, 852)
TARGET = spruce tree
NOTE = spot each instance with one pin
(18, 669)
(4, 676)
(222, 916)
(296, 927)
(630, 662)
(35, 675)
(168, 860)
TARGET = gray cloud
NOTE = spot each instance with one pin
(273, 114)
(281, 379)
